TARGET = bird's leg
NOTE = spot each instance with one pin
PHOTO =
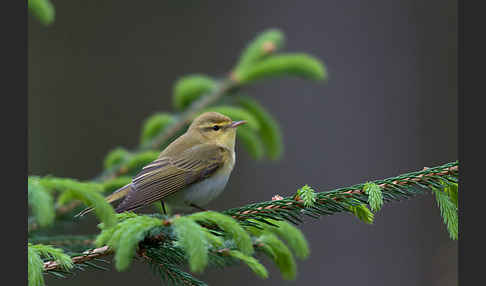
(163, 206)
(198, 207)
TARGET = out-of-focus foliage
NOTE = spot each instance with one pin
(43, 11)
(35, 265)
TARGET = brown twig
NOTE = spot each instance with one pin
(88, 255)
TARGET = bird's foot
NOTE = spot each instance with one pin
(163, 207)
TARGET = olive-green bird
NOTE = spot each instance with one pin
(189, 173)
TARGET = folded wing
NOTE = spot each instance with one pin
(167, 175)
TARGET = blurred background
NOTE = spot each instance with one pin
(388, 107)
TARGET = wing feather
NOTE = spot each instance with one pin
(166, 175)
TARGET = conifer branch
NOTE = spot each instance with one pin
(402, 186)
(293, 207)
(99, 252)
(87, 256)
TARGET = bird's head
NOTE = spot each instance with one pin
(215, 128)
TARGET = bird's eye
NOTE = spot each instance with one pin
(215, 127)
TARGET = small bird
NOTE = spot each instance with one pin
(189, 173)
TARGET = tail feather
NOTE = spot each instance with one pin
(115, 196)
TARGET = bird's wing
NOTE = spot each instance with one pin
(167, 175)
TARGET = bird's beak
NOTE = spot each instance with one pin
(235, 124)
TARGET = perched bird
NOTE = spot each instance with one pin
(189, 173)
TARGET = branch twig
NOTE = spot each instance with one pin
(89, 255)
(299, 202)
(444, 171)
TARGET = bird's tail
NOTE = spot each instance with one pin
(115, 196)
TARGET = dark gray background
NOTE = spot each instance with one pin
(389, 107)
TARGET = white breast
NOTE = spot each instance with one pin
(203, 192)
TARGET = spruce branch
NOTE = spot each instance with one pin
(292, 208)
(86, 256)
(339, 200)
(143, 252)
